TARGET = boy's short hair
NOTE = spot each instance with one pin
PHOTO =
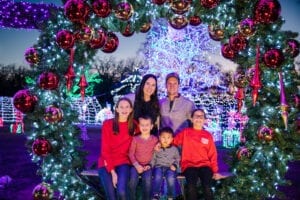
(147, 117)
(166, 129)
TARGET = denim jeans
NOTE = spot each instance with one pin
(170, 176)
(121, 192)
(146, 183)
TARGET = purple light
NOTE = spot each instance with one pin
(24, 15)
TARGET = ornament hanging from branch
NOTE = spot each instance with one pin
(255, 81)
(283, 104)
(82, 84)
(70, 74)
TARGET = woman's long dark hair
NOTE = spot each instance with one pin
(131, 125)
(139, 95)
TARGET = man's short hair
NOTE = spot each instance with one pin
(174, 75)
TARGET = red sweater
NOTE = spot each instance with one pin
(198, 149)
(114, 148)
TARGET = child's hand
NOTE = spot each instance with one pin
(157, 147)
(139, 168)
(147, 167)
(114, 177)
(173, 168)
(218, 176)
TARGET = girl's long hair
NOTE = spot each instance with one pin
(131, 124)
(139, 95)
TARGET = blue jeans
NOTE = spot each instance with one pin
(146, 183)
(121, 192)
(170, 176)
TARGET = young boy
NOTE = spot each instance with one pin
(199, 156)
(165, 163)
(140, 154)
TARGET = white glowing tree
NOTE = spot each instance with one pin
(186, 51)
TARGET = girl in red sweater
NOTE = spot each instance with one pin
(199, 156)
(114, 163)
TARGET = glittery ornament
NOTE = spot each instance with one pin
(77, 11)
(247, 27)
(65, 39)
(41, 147)
(124, 11)
(195, 20)
(53, 114)
(32, 56)
(267, 11)
(102, 8)
(209, 4)
(265, 133)
(273, 58)
(48, 81)
(42, 192)
(178, 21)
(227, 52)
(24, 101)
(111, 44)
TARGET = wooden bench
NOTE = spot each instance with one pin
(180, 177)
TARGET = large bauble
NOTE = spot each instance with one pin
(53, 114)
(145, 27)
(123, 11)
(98, 40)
(227, 52)
(42, 192)
(24, 101)
(247, 27)
(111, 43)
(209, 4)
(178, 21)
(243, 153)
(85, 34)
(48, 81)
(127, 31)
(266, 11)
(195, 20)
(41, 147)
(265, 133)
(180, 6)
(216, 32)
(102, 8)
(237, 42)
(65, 39)
(77, 11)
(273, 58)
(32, 56)
(292, 48)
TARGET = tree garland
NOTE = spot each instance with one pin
(250, 35)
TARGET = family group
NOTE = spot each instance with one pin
(152, 140)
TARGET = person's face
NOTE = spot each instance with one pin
(165, 139)
(145, 125)
(124, 109)
(198, 119)
(172, 86)
(149, 87)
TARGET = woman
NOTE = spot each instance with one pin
(114, 164)
(146, 102)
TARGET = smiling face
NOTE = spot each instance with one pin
(172, 86)
(145, 125)
(123, 109)
(165, 139)
(198, 119)
(149, 88)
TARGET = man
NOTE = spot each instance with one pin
(175, 109)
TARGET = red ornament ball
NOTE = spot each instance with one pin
(227, 52)
(242, 153)
(195, 20)
(178, 21)
(123, 11)
(32, 56)
(127, 31)
(247, 27)
(41, 147)
(180, 6)
(77, 11)
(65, 39)
(209, 4)
(292, 48)
(85, 34)
(42, 192)
(111, 44)
(159, 2)
(237, 42)
(24, 101)
(53, 114)
(48, 81)
(145, 27)
(273, 58)
(266, 11)
(265, 133)
(98, 40)
(102, 8)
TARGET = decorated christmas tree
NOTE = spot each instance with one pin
(250, 35)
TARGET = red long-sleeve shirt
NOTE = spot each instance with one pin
(114, 148)
(198, 149)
